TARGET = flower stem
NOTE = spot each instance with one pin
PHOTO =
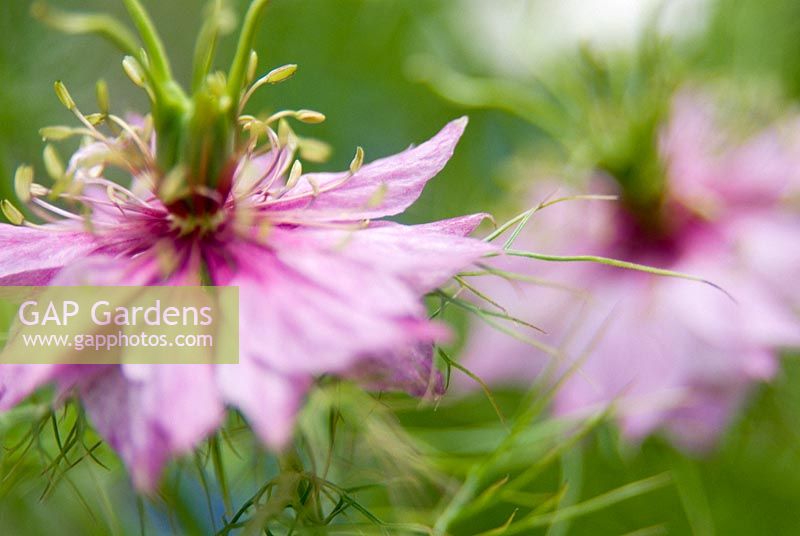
(206, 44)
(88, 23)
(159, 63)
(242, 57)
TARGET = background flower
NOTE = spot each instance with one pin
(664, 352)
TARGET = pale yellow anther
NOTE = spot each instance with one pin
(11, 213)
(63, 95)
(280, 74)
(56, 133)
(112, 195)
(37, 190)
(286, 135)
(358, 160)
(147, 129)
(313, 150)
(23, 180)
(310, 116)
(294, 175)
(134, 70)
(52, 163)
(252, 66)
(96, 119)
(103, 100)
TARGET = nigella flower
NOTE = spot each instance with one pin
(666, 353)
(216, 197)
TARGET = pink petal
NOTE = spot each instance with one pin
(18, 381)
(384, 187)
(707, 164)
(459, 226)
(269, 400)
(411, 371)
(305, 310)
(34, 256)
(164, 411)
(422, 256)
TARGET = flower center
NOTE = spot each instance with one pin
(199, 225)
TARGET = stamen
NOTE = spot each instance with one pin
(23, 180)
(11, 212)
(103, 100)
(107, 183)
(314, 150)
(96, 119)
(252, 65)
(310, 117)
(305, 116)
(358, 161)
(53, 164)
(134, 71)
(63, 95)
(55, 210)
(241, 58)
(66, 99)
(294, 175)
(275, 76)
(143, 148)
(57, 133)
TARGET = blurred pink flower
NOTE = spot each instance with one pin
(323, 290)
(668, 353)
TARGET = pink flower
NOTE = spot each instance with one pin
(324, 289)
(667, 353)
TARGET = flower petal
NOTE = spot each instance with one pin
(33, 256)
(384, 187)
(269, 400)
(307, 310)
(164, 411)
(422, 256)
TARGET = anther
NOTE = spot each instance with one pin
(63, 95)
(358, 160)
(11, 212)
(23, 180)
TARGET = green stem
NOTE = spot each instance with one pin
(242, 56)
(616, 263)
(206, 44)
(159, 63)
(100, 24)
